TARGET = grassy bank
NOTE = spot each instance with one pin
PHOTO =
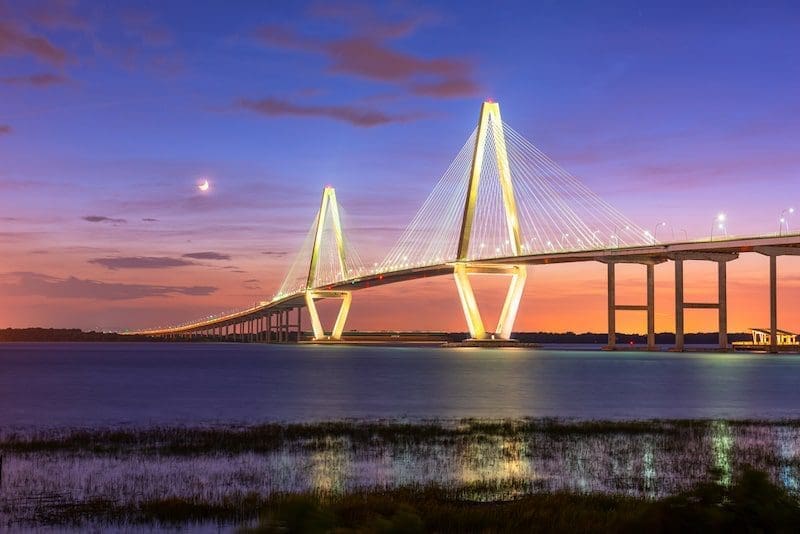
(444, 475)
(751, 503)
(271, 437)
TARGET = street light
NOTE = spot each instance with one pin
(719, 223)
(595, 240)
(784, 220)
(655, 230)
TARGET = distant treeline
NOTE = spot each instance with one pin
(664, 338)
(64, 334)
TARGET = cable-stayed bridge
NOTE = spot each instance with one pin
(501, 206)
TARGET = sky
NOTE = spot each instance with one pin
(111, 114)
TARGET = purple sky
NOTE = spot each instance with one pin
(112, 112)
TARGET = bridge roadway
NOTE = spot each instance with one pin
(720, 250)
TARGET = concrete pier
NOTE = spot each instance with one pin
(648, 308)
(721, 305)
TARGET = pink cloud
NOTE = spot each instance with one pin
(367, 53)
(356, 116)
(15, 40)
(38, 80)
(366, 20)
(57, 14)
(42, 285)
(145, 27)
(447, 88)
(369, 58)
(5, 129)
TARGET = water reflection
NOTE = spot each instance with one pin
(481, 464)
(722, 443)
(649, 473)
(496, 462)
(328, 467)
(787, 445)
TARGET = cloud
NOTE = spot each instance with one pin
(367, 52)
(5, 129)
(145, 27)
(103, 219)
(364, 17)
(37, 80)
(15, 40)
(278, 254)
(447, 88)
(140, 262)
(149, 219)
(251, 284)
(57, 14)
(207, 256)
(274, 107)
(42, 285)
(368, 58)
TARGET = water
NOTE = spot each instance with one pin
(65, 385)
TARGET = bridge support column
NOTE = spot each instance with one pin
(613, 307)
(722, 259)
(773, 303)
(722, 299)
(299, 324)
(773, 252)
(679, 341)
(341, 318)
(651, 306)
(472, 314)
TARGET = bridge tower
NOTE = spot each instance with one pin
(312, 294)
(489, 123)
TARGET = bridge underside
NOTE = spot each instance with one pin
(270, 322)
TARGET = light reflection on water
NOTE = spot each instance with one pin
(101, 384)
(483, 466)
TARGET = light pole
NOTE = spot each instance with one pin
(655, 230)
(595, 241)
(784, 220)
(719, 223)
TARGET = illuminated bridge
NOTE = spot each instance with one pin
(501, 206)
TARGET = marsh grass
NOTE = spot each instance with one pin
(274, 436)
(751, 503)
(228, 474)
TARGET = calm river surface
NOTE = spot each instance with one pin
(65, 385)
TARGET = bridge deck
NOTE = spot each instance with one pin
(786, 244)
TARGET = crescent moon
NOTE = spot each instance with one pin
(204, 186)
